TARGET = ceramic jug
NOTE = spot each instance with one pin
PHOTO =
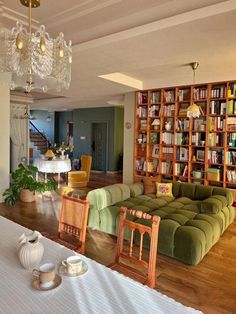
(30, 250)
(168, 126)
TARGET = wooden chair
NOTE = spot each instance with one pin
(73, 221)
(148, 276)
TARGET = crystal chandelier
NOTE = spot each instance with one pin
(193, 110)
(36, 60)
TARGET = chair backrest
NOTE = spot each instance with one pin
(152, 231)
(86, 162)
(73, 219)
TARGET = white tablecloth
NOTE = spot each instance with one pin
(100, 290)
(53, 166)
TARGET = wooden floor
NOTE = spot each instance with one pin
(209, 286)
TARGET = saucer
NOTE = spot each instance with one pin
(63, 271)
(56, 283)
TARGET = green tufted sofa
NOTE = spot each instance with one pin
(192, 221)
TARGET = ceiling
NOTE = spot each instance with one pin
(152, 41)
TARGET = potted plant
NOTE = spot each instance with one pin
(24, 185)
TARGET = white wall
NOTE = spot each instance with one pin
(4, 132)
(128, 160)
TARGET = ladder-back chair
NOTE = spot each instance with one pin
(73, 220)
(148, 276)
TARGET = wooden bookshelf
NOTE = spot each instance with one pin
(200, 150)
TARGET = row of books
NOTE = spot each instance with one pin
(155, 97)
(217, 107)
(141, 112)
(142, 138)
(142, 98)
(231, 175)
(141, 165)
(184, 94)
(215, 157)
(231, 139)
(216, 124)
(198, 139)
(169, 110)
(166, 167)
(231, 106)
(218, 92)
(167, 152)
(200, 93)
(181, 138)
(169, 96)
(215, 139)
(230, 157)
(152, 166)
(167, 138)
(180, 169)
(231, 90)
(182, 124)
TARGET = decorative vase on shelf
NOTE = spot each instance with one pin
(30, 250)
(168, 125)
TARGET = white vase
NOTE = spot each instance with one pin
(30, 250)
(168, 126)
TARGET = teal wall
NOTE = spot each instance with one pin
(83, 120)
(41, 123)
(61, 119)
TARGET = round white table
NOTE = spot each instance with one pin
(53, 166)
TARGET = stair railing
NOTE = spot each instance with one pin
(48, 144)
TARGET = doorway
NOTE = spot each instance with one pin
(99, 146)
(69, 133)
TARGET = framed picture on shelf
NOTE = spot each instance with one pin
(200, 155)
(155, 151)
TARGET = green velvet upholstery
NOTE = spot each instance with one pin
(191, 222)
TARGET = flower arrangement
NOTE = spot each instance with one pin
(62, 148)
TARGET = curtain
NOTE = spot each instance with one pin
(19, 134)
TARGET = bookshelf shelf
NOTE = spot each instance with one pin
(206, 144)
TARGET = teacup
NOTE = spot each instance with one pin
(46, 275)
(73, 264)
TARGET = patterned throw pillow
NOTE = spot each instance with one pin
(164, 189)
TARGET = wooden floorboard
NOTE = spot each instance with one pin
(209, 286)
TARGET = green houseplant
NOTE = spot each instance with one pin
(22, 181)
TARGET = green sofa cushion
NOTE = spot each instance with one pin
(202, 192)
(188, 190)
(117, 192)
(213, 204)
(136, 189)
(225, 192)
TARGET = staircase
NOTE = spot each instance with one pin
(38, 139)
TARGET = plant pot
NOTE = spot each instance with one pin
(27, 196)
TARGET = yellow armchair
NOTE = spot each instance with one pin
(77, 179)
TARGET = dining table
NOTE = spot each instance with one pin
(53, 166)
(99, 290)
